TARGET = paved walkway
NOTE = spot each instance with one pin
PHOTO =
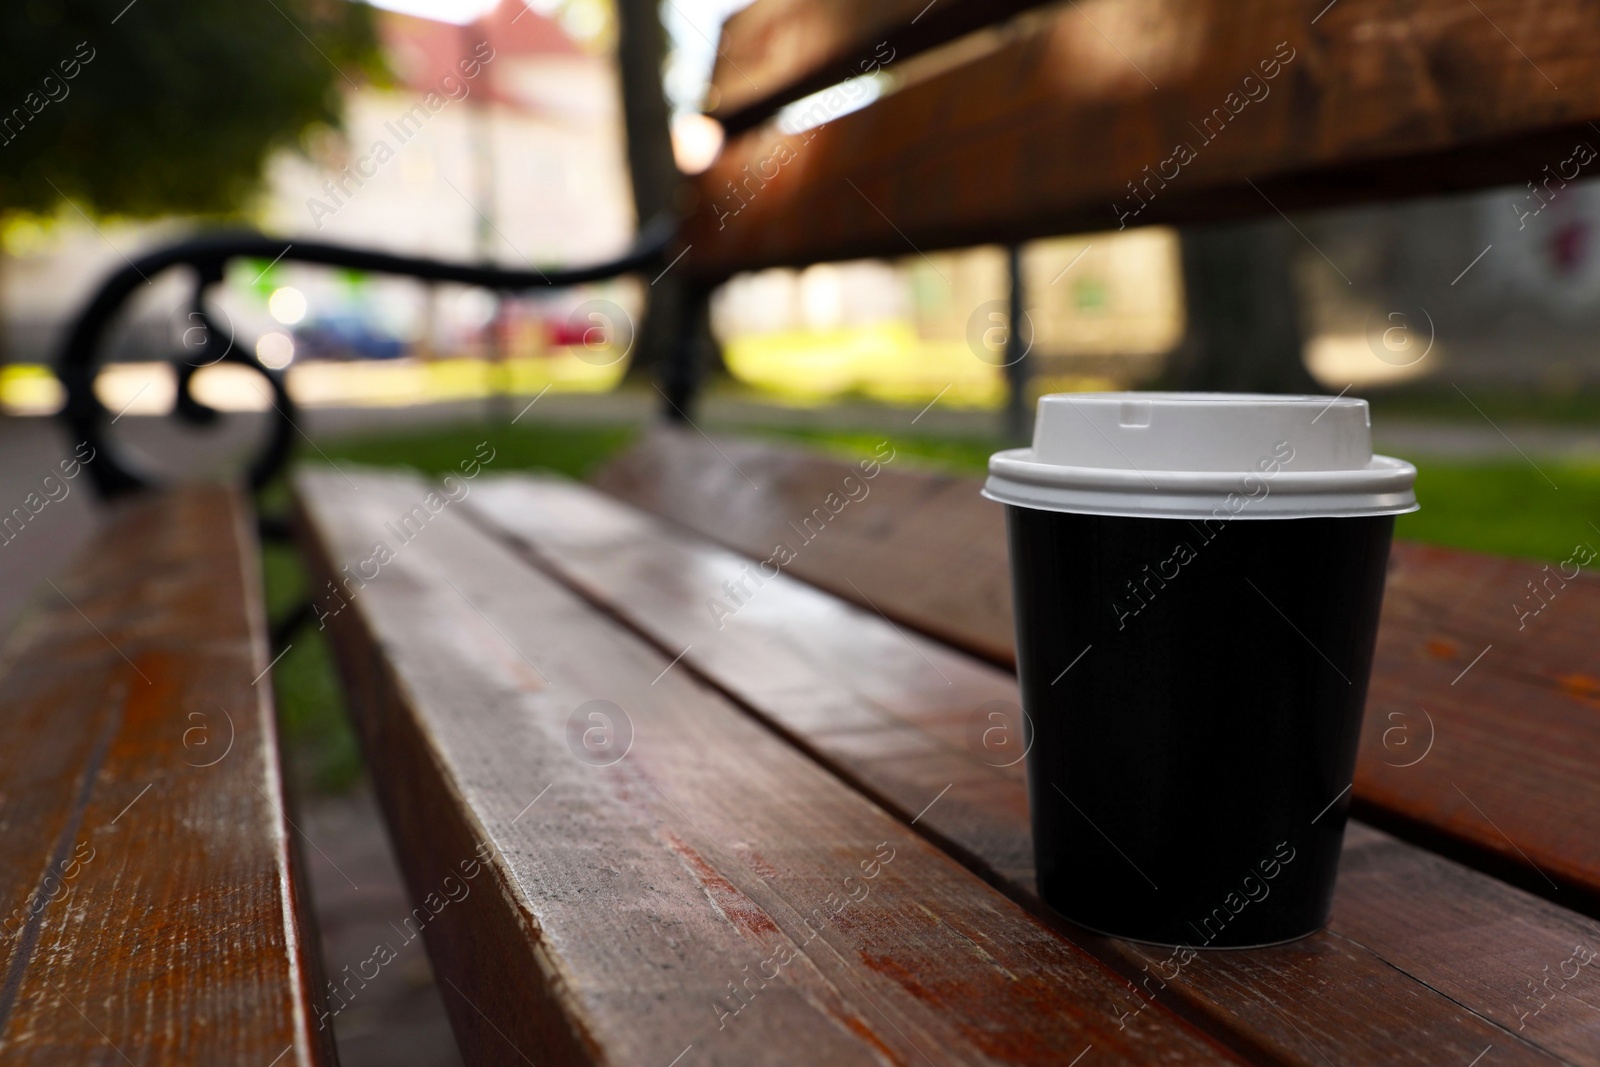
(1420, 441)
(396, 1019)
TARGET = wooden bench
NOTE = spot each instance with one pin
(150, 909)
(740, 764)
(673, 770)
(639, 830)
(1445, 760)
(663, 876)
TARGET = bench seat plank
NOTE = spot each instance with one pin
(147, 878)
(912, 523)
(625, 909)
(1507, 698)
(1514, 764)
(894, 716)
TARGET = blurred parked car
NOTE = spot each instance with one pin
(346, 337)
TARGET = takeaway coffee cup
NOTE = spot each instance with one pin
(1197, 579)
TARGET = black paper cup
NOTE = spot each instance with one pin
(1194, 684)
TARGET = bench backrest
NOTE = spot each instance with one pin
(1102, 114)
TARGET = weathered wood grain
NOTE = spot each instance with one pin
(921, 544)
(621, 903)
(1482, 942)
(1497, 760)
(1059, 130)
(147, 879)
(896, 716)
(1509, 782)
(776, 51)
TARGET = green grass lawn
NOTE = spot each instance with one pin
(1508, 508)
(1505, 507)
(1432, 400)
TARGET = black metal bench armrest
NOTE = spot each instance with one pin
(78, 363)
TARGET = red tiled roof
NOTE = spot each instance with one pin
(423, 51)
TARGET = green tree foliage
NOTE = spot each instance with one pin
(164, 106)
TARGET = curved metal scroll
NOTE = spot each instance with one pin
(208, 256)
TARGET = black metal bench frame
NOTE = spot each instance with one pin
(208, 257)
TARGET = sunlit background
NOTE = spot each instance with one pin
(525, 164)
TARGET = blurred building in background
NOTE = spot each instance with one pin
(498, 139)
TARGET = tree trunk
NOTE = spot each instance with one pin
(641, 49)
(1243, 328)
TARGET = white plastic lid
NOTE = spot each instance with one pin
(1202, 455)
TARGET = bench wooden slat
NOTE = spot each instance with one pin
(1515, 735)
(1482, 943)
(1044, 135)
(1514, 764)
(620, 902)
(894, 715)
(776, 51)
(145, 865)
(922, 544)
